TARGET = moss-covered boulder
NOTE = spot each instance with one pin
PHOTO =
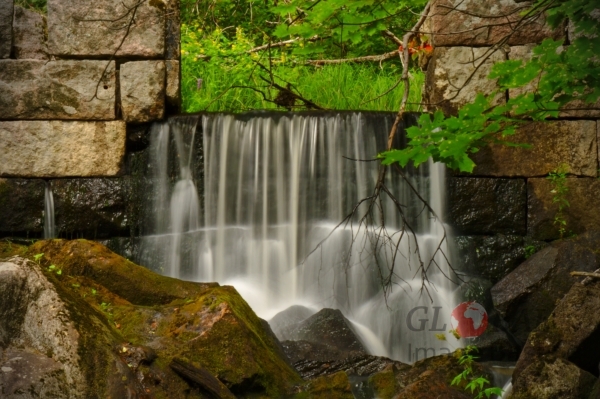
(125, 326)
(429, 378)
(561, 356)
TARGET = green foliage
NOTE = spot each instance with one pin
(474, 384)
(37, 257)
(554, 76)
(558, 181)
(529, 251)
(53, 268)
(223, 71)
(343, 27)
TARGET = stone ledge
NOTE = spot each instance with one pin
(72, 30)
(37, 89)
(582, 215)
(61, 149)
(454, 27)
(572, 143)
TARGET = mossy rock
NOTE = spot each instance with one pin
(117, 305)
(8, 249)
(136, 284)
(385, 384)
(333, 386)
(429, 378)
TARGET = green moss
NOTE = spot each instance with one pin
(335, 386)
(8, 249)
(236, 348)
(208, 325)
(134, 283)
(384, 384)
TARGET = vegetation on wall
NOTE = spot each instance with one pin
(557, 74)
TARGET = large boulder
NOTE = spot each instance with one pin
(60, 359)
(312, 360)
(61, 89)
(61, 149)
(106, 28)
(528, 295)
(486, 23)
(94, 208)
(329, 327)
(284, 322)
(128, 332)
(28, 30)
(561, 356)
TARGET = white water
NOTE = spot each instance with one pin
(274, 188)
(49, 224)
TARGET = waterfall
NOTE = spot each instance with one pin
(49, 224)
(254, 200)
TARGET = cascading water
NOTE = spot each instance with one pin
(272, 188)
(49, 224)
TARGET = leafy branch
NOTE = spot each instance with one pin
(555, 76)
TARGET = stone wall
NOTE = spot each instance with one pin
(507, 203)
(79, 88)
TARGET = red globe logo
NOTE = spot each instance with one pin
(469, 319)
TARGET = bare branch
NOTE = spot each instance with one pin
(367, 58)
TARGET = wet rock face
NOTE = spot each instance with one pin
(62, 89)
(528, 295)
(21, 207)
(487, 206)
(493, 257)
(329, 327)
(85, 29)
(28, 29)
(6, 22)
(465, 23)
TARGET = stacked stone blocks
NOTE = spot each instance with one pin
(78, 85)
(508, 198)
(87, 70)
